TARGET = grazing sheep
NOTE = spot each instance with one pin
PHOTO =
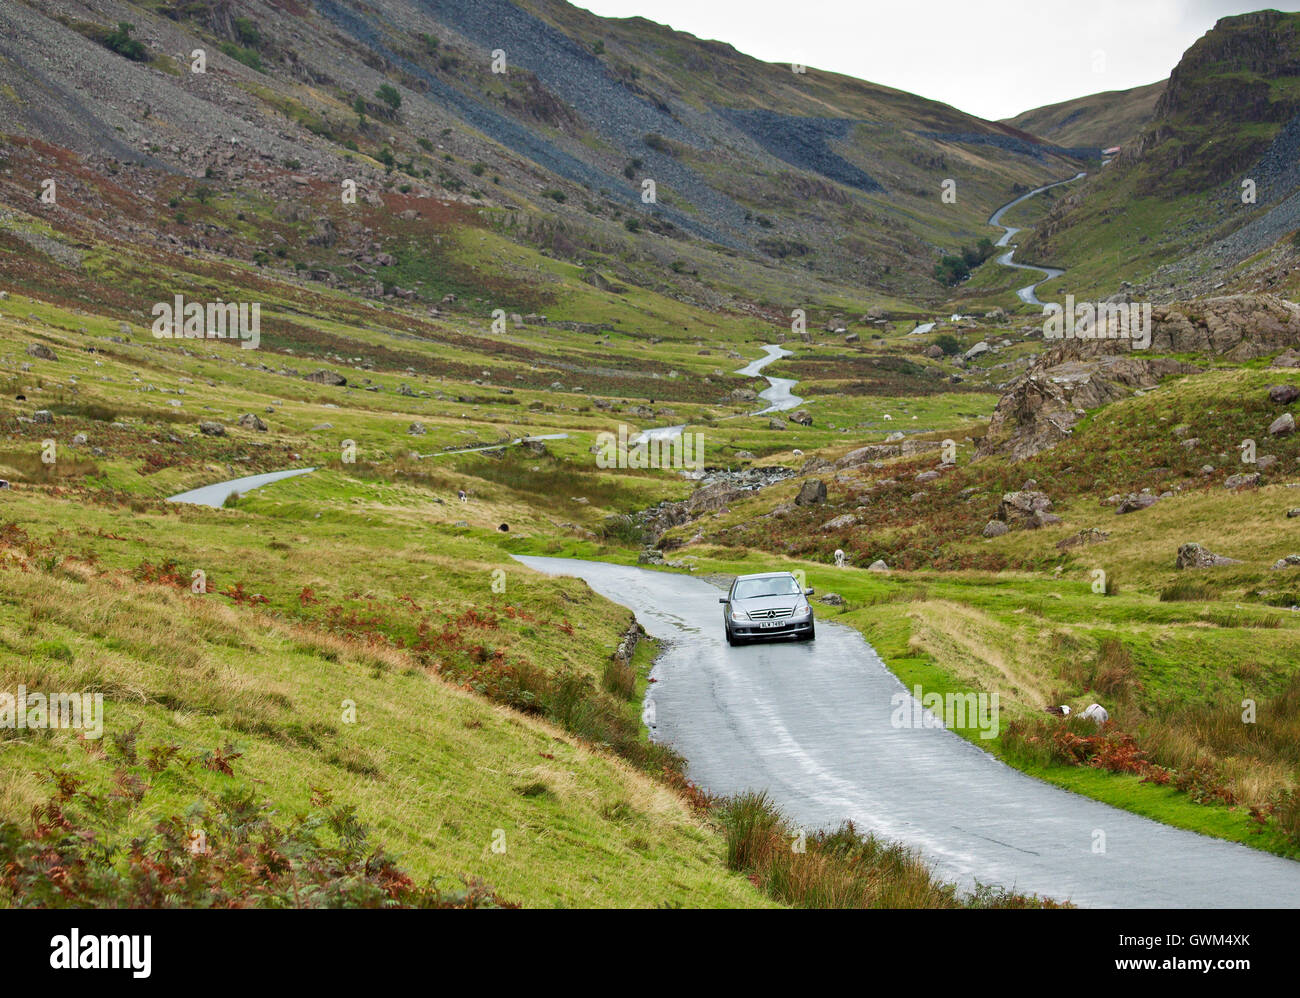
(1097, 713)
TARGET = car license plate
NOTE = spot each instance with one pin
(771, 623)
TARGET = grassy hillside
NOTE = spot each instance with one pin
(1103, 120)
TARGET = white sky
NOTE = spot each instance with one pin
(948, 49)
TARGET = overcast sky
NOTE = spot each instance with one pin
(949, 49)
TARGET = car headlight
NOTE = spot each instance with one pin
(803, 611)
(737, 615)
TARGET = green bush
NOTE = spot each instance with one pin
(389, 95)
(246, 56)
(948, 343)
(120, 41)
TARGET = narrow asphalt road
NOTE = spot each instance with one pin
(811, 724)
(1027, 294)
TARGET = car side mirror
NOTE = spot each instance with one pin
(723, 599)
(809, 592)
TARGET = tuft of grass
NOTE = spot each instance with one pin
(840, 869)
(1188, 590)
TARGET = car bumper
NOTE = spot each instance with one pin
(753, 630)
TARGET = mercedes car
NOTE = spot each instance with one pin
(770, 605)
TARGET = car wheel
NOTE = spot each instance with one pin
(812, 633)
(730, 639)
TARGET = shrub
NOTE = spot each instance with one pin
(389, 95)
(948, 343)
(658, 143)
(247, 33)
(120, 41)
(242, 55)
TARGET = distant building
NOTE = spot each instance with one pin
(1112, 151)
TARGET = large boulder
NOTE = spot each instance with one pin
(251, 421)
(802, 417)
(1027, 509)
(1194, 555)
(1283, 426)
(325, 377)
(866, 455)
(1086, 536)
(1283, 394)
(1042, 406)
(1288, 358)
(811, 493)
(40, 351)
(1136, 501)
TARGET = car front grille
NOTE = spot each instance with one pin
(774, 614)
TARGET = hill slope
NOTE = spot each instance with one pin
(745, 157)
(1174, 211)
(1101, 120)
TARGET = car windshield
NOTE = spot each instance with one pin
(778, 585)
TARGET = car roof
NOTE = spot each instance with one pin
(763, 575)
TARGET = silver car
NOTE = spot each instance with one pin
(770, 605)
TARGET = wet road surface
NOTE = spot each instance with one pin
(811, 724)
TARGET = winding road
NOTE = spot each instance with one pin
(779, 396)
(1026, 294)
(811, 724)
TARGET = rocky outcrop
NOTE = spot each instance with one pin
(1236, 327)
(1042, 407)
(1076, 375)
(1196, 556)
(1027, 509)
(1086, 536)
(883, 452)
(325, 377)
